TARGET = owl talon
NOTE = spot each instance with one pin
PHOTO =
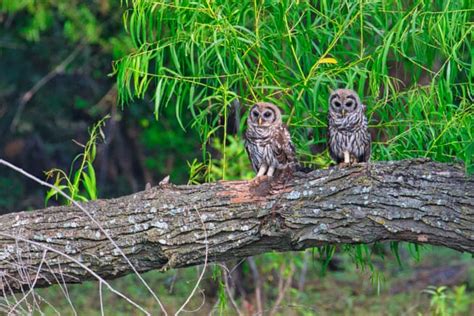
(259, 180)
(352, 161)
(264, 177)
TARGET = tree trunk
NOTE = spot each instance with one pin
(172, 226)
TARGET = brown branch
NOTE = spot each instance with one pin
(160, 228)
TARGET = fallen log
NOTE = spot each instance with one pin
(172, 226)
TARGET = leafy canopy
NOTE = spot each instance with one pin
(410, 62)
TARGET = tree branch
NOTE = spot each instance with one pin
(160, 228)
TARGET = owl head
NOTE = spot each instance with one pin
(344, 102)
(264, 114)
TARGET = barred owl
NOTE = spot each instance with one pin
(267, 141)
(348, 137)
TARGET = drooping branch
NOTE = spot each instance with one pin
(161, 228)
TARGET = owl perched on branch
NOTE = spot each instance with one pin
(268, 142)
(348, 137)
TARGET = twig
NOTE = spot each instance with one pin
(304, 271)
(64, 290)
(203, 269)
(78, 263)
(283, 286)
(258, 284)
(173, 281)
(42, 299)
(32, 287)
(227, 275)
(101, 300)
(193, 311)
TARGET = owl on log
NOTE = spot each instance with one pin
(268, 141)
(348, 137)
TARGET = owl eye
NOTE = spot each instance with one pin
(267, 114)
(337, 103)
(349, 104)
(255, 114)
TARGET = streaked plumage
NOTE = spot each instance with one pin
(267, 140)
(348, 137)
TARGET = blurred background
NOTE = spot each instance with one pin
(56, 60)
(175, 78)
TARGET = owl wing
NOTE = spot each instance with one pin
(367, 148)
(331, 142)
(283, 147)
(368, 145)
(251, 151)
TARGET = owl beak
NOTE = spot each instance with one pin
(259, 121)
(343, 112)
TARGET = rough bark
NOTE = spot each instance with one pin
(160, 228)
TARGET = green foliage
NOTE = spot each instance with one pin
(80, 20)
(197, 172)
(395, 250)
(446, 302)
(415, 251)
(80, 183)
(326, 254)
(231, 164)
(361, 254)
(411, 64)
(166, 146)
(222, 296)
(378, 279)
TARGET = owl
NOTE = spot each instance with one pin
(268, 142)
(348, 137)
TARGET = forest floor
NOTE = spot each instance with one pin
(414, 288)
